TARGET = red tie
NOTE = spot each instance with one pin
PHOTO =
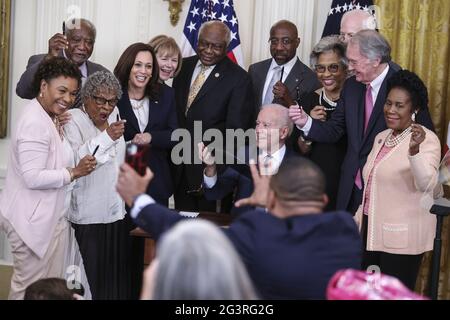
(368, 108)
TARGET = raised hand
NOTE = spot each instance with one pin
(282, 94)
(57, 43)
(417, 137)
(130, 184)
(261, 191)
(318, 113)
(298, 116)
(85, 166)
(115, 130)
(208, 159)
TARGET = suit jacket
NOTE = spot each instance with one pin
(300, 80)
(33, 197)
(287, 258)
(24, 88)
(349, 118)
(237, 179)
(397, 223)
(162, 122)
(224, 102)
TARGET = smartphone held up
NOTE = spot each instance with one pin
(137, 157)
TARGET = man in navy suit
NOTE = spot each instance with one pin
(359, 112)
(273, 127)
(212, 91)
(291, 250)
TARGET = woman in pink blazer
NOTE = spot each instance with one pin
(400, 169)
(39, 171)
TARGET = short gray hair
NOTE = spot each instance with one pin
(218, 23)
(329, 44)
(197, 262)
(372, 45)
(98, 82)
(80, 21)
(282, 117)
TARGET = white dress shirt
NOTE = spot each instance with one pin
(141, 109)
(277, 158)
(287, 70)
(375, 86)
(94, 197)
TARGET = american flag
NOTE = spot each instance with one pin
(205, 10)
(338, 8)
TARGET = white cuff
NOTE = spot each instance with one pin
(142, 201)
(307, 127)
(210, 182)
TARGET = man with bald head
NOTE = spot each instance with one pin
(76, 45)
(354, 21)
(284, 78)
(273, 127)
(212, 91)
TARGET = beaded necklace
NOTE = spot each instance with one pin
(392, 140)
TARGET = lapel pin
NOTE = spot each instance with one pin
(217, 75)
(296, 80)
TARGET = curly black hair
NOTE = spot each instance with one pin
(410, 82)
(51, 68)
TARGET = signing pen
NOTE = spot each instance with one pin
(282, 73)
(95, 151)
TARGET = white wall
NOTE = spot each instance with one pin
(122, 22)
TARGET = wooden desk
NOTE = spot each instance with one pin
(219, 219)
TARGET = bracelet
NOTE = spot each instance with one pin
(72, 177)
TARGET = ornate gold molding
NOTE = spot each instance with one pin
(175, 9)
(5, 28)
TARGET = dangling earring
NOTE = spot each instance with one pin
(413, 117)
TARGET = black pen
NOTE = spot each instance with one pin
(95, 151)
(282, 72)
(64, 28)
(118, 119)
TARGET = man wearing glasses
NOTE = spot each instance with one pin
(284, 78)
(75, 44)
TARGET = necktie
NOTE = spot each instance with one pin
(267, 165)
(268, 98)
(368, 106)
(196, 86)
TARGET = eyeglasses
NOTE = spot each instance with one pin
(100, 101)
(332, 68)
(284, 41)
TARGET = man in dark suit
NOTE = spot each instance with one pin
(273, 127)
(77, 45)
(359, 113)
(211, 92)
(286, 249)
(284, 78)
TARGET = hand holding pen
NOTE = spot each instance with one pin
(57, 43)
(116, 129)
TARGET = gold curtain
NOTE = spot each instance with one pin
(419, 33)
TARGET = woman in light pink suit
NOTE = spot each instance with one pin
(39, 171)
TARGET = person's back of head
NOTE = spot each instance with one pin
(50, 289)
(196, 262)
(299, 183)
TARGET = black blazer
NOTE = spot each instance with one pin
(162, 122)
(224, 102)
(349, 118)
(290, 258)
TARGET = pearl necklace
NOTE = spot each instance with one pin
(137, 104)
(392, 141)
